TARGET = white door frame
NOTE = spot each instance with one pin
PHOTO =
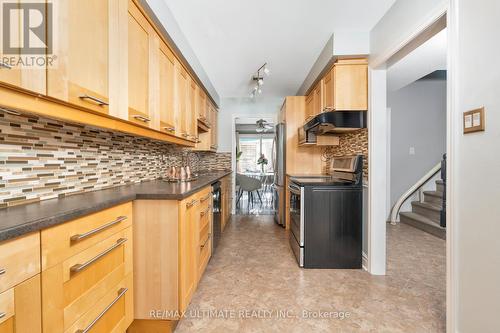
(376, 226)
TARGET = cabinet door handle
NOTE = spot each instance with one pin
(205, 244)
(205, 198)
(170, 129)
(185, 135)
(191, 204)
(100, 102)
(87, 329)
(141, 118)
(80, 267)
(2, 314)
(5, 65)
(2, 271)
(79, 237)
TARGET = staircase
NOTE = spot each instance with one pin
(426, 215)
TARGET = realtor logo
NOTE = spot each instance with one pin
(26, 29)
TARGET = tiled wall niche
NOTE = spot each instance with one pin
(42, 159)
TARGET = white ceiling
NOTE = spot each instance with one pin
(425, 59)
(233, 38)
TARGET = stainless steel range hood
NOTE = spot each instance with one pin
(336, 122)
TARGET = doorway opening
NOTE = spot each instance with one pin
(255, 169)
(416, 161)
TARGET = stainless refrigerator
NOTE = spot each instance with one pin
(279, 174)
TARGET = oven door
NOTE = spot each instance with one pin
(297, 212)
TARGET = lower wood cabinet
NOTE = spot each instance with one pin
(20, 297)
(20, 308)
(87, 276)
(173, 244)
(227, 200)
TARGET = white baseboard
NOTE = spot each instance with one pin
(364, 261)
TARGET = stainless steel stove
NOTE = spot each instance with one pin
(326, 216)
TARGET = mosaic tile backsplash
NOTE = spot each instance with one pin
(350, 144)
(42, 159)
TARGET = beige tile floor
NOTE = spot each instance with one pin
(254, 270)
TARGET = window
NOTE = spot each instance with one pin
(251, 147)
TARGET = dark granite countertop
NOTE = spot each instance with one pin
(19, 220)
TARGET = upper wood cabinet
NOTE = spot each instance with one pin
(344, 87)
(84, 32)
(214, 127)
(348, 86)
(26, 77)
(182, 82)
(328, 91)
(139, 35)
(192, 116)
(202, 105)
(314, 101)
(167, 89)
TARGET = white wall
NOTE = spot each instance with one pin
(418, 120)
(404, 20)
(475, 159)
(243, 107)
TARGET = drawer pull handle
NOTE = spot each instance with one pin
(141, 118)
(2, 271)
(79, 237)
(205, 212)
(191, 204)
(205, 244)
(80, 267)
(169, 129)
(205, 198)
(5, 65)
(2, 314)
(185, 135)
(100, 102)
(87, 329)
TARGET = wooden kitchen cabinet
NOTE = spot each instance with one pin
(21, 308)
(167, 89)
(189, 219)
(202, 106)
(192, 116)
(20, 296)
(87, 272)
(85, 31)
(314, 101)
(350, 88)
(227, 200)
(172, 241)
(214, 127)
(29, 78)
(140, 34)
(182, 82)
(328, 91)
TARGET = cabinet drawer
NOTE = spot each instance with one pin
(205, 253)
(68, 239)
(114, 312)
(205, 197)
(19, 260)
(6, 306)
(71, 288)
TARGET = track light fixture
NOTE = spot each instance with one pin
(259, 79)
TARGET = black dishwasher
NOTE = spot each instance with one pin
(216, 214)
